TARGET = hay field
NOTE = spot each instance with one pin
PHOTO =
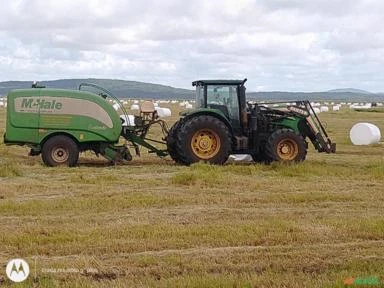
(153, 223)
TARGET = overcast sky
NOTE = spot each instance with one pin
(291, 45)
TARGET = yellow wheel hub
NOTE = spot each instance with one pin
(287, 149)
(205, 144)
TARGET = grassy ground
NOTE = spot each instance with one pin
(154, 223)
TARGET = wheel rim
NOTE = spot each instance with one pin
(205, 144)
(60, 155)
(287, 149)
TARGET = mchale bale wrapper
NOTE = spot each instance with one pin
(59, 124)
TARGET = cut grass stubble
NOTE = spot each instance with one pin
(155, 223)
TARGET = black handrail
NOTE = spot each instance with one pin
(108, 93)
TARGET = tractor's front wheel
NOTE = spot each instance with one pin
(261, 156)
(60, 150)
(285, 145)
(203, 138)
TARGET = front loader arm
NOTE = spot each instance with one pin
(312, 127)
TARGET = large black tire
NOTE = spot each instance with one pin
(60, 150)
(203, 138)
(285, 145)
(171, 142)
(261, 156)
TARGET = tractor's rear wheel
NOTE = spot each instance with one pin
(171, 142)
(60, 150)
(285, 145)
(203, 138)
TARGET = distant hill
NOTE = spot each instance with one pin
(349, 90)
(316, 96)
(120, 88)
(133, 89)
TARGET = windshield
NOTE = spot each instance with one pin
(220, 97)
(221, 94)
(224, 98)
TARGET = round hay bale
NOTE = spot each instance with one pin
(135, 107)
(364, 134)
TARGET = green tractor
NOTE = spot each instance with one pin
(223, 123)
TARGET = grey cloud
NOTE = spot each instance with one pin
(323, 7)
(279, 45)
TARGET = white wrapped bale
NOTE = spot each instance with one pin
(163, 112)
(135, 107)
(128, 121)
(364, 134)
(240, 158)
(324, 109)
(167, 112)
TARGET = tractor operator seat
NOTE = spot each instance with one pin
(148, 111)
(147, 107)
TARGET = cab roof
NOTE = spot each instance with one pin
(218, 82)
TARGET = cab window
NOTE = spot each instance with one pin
(224, 98)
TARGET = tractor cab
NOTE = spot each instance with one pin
(225, 96)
